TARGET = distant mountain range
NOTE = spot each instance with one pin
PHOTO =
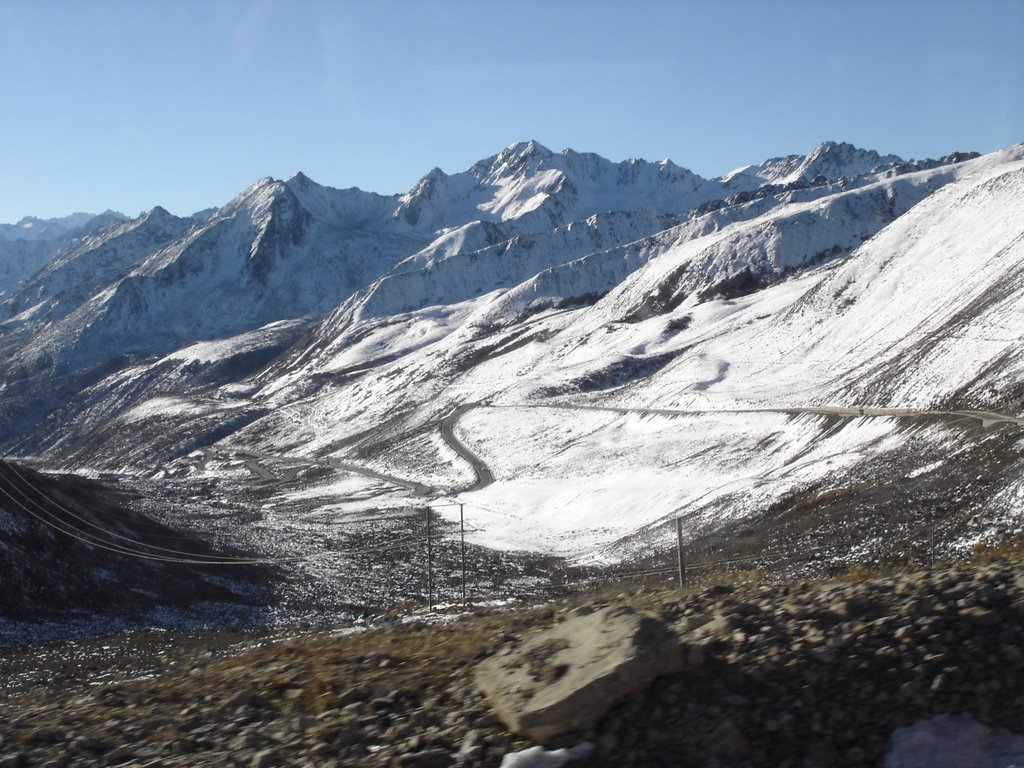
(642, 342)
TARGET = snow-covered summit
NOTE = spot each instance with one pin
(539, 189)
(30, 228)
(87, 265)
(828, 162)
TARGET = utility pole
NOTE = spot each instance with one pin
(679, 552)
(462, 535)
(462, 542)
(430, 567)
(931, 543)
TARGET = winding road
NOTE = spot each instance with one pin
(484, 476)
(253, 461)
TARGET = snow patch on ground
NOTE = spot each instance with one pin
(538, 757)
(164, 406)
(570, 480)
(954, 741)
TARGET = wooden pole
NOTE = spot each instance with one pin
(430, 567)
(679, 552)
(462, 534)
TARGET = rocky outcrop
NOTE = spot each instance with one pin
(564, 678)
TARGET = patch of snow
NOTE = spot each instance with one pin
(954, 741)
(538, 757)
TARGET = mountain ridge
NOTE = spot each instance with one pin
(619, 323)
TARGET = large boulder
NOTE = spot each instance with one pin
(564, 678)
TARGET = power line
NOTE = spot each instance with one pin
(103, 530)
(99, 543)
(66, 528)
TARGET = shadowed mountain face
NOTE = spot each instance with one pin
(74, 550)
(641, 344)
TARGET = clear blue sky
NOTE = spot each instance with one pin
(183, 103)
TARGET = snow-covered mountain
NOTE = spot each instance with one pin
(622, 343)
(539, 189)
(28, 245)
(30, 228)
(829, 161)
(86, 266)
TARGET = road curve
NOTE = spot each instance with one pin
(417, 488)
(251, 459)
(987, 418)
(484, 477)
(483, 474)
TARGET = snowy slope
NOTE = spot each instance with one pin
(583, 301)
(829, 161)
(539, 189)
(27, 246)
(654, 341)
(90, 264)
(914, 317)
(30, 228)
(425, 280)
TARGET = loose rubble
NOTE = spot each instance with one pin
(800, 675)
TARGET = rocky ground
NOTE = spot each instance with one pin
(801, 674)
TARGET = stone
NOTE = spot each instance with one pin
(822, 655)
(980, 617)
(820, 754)
(434, 758)
(265, 759)
(696, 621)
(564, 678)
(120, 755)
(727, 741)
(240, 699)
(717, 626)
(46, 736)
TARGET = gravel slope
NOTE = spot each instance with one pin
(812, 674)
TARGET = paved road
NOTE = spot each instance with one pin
(483, 474)
(253, 462)
(417, 488)
(987, 418)
(484, 477)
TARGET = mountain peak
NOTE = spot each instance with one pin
(828, 162)
(833, 160)
(299, 179)
(261, 183)
(428, 185)
(516, 156)
(158, 216)
(31, 228)
(526, 149)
